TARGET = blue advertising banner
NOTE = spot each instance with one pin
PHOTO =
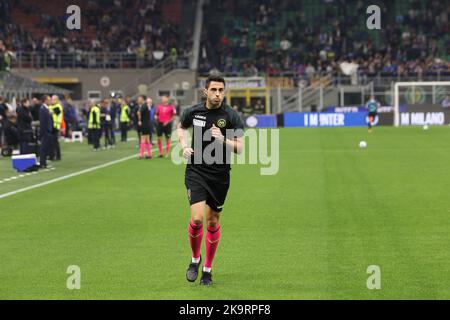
(296, 120)
(261, 121)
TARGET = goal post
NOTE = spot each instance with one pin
(434, 94)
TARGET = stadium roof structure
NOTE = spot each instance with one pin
(12, 84)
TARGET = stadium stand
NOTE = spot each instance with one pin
(301, 38)
(132, 33)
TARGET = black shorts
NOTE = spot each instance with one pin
(145, 130)
(200, 188)
(164, 130)
(373, 114)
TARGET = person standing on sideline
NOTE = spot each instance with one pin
(35, 107)
(46, 129)
(94, 125)
(24, 119)
(57, 114)
(144, 127)
(68, 116)
(165, 115)
(106, 123)
(124, 120)
(114, 107)
(3, 117)
(134, 108)
(152, 108)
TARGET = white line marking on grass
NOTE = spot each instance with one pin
(5, 195)
(26, 174)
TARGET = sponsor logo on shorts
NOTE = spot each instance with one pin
(189, 194)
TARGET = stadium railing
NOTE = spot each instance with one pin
(92, 60)
(339, 79)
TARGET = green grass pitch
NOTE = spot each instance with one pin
(309, 232)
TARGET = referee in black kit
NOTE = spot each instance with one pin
(207, 181)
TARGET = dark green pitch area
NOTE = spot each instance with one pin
(309, 232)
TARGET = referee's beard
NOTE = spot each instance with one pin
(211, 103)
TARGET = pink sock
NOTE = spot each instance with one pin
(195, 239)
(167, 146)
(160, 147)
(149, 149)
(142, 147)
(212, 242)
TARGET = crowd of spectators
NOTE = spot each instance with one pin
(137, 29)
(276, 37)
(244, 37)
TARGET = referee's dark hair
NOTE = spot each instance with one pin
(143, 96)
(214, 77)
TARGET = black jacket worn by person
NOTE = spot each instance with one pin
(46, 121)
(24, 119)
(2, 61)
(3, 109)
(105, 116)
(35, 111)
(11, 133)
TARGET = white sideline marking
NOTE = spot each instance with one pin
(24, 175)
(5, 195)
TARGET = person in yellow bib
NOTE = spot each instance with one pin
(124, 119)
(56, 111)
(94, 125)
